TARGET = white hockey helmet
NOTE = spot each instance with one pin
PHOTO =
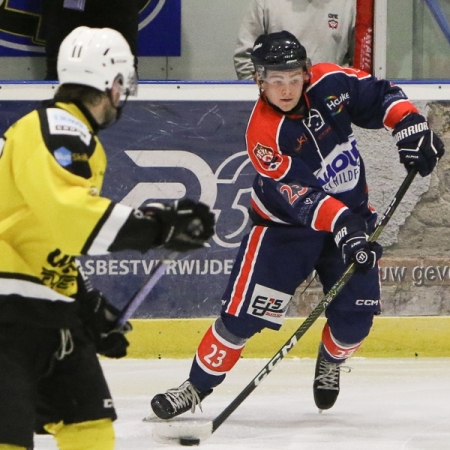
(97, 57)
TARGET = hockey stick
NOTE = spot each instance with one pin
(186, 433)
(195, 228)
(137, 299)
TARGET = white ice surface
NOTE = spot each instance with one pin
(384, 404)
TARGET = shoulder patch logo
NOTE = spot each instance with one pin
(266, 157)
(63, 156)
(264, 154)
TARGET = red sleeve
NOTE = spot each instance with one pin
(397, 111)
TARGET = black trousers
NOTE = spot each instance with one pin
(58, 22)
(36, 388)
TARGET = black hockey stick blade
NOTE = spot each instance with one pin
(177, 432)
(137, 299)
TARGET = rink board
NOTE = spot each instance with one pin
(396, 337)
(187, 138)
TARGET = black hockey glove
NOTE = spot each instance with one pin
(418, 146)
(350, 235)
(99, 320)
(186, 225)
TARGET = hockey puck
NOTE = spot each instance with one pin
(189, 442)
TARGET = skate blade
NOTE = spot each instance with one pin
(152, 417)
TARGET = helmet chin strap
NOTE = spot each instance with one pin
(119, 110)
(260, 83)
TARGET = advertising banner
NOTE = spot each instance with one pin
(163, 150)
(21, 32)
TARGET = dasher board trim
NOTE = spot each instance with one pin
(202, 91)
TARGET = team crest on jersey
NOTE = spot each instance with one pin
(333, 21)
(264, 155)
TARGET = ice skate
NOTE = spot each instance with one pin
(326, 383)
(177, 401)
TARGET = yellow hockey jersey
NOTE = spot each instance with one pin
(51, 170)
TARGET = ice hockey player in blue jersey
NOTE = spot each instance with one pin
(310, 210)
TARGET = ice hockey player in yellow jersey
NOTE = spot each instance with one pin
(52, 327)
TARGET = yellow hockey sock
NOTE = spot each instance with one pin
(11, 447)
(90, 435)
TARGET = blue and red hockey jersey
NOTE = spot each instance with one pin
(310, 170)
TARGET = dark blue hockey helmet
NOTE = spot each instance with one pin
(278, 51)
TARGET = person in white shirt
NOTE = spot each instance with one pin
(325, 28)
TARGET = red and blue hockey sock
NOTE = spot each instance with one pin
(216, 355)
(334, 350)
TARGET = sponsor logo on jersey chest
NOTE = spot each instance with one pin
(335, 103)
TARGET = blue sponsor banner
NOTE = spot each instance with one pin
(161, 151)
(21, 32)
(160, 28)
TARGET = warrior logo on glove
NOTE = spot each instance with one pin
(361, 257)
(418, 146)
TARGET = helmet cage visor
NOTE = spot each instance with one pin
(261, 69)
